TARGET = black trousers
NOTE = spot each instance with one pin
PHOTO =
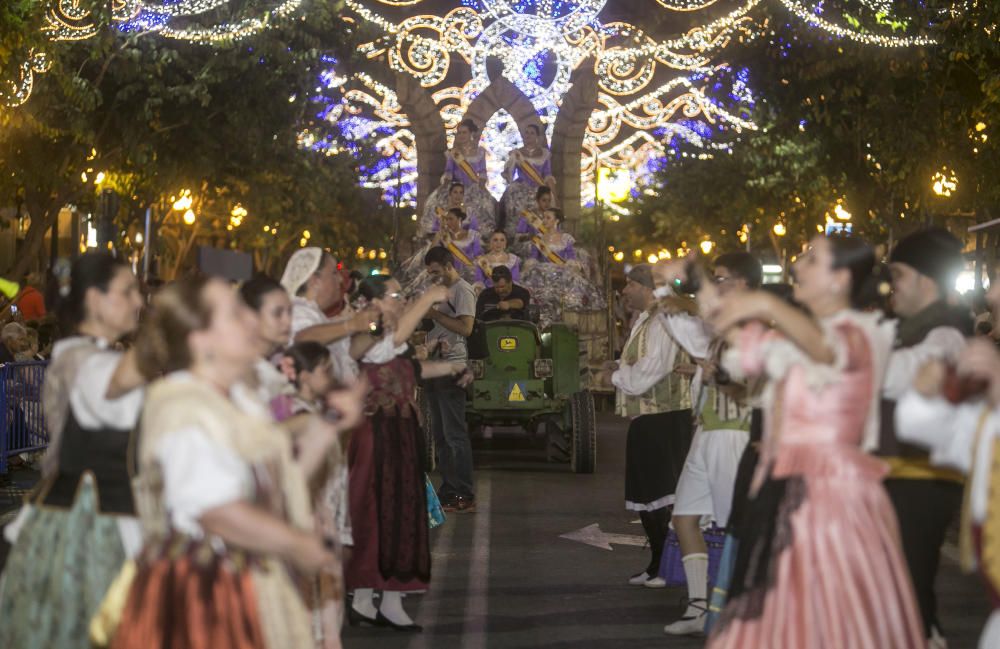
(925, 509)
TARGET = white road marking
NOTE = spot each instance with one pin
(477, 604)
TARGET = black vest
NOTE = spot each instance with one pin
(912, 332)
(101, 451)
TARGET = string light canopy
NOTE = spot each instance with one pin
(188, 20)
(522, 29)
(657, 98)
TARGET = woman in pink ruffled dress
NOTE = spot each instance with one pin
(822, 567)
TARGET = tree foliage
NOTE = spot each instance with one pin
(157, 116)
(840, 120)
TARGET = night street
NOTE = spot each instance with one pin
(503, 577)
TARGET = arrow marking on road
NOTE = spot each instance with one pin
(592, 535)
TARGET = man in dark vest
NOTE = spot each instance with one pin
(924, 266)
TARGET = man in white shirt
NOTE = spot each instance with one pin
(653, 390)
(453, 322)
(705, 488)
(924, 266)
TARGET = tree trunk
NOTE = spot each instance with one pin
(41, 220)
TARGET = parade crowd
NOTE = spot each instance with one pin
(246, 466)
(826, 429)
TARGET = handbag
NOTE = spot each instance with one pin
(435, 513)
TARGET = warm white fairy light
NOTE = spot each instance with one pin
(811, 18)
(66, 20)
(20, 90)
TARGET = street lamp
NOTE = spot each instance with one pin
(779, 229)
(944, 182)
(184, 201)
(706, 246)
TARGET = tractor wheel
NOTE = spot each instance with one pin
(583, 458)
(558, 446)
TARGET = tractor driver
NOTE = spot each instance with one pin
(503, 300)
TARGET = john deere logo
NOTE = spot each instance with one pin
(508, 344)
(515, 393)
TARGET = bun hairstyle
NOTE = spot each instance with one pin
(252, 291)
(177, 310)
(469, 124)
(455, 184)
(858, 257)
(306, 357)
(90, 270)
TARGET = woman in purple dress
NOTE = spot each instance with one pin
(528, 169)
(465, 246)
(497, 256)
(554, 275)
(465, 163)
(456, 199)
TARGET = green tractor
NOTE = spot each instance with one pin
(527, 378)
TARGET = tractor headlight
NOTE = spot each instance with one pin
(543, 368)
(478, 369)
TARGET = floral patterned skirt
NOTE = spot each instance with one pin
(57, 573)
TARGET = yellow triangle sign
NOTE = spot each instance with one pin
(515, 393)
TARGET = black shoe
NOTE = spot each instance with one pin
(448, 502)
(381, 620)
(461, 505)
(355, 618)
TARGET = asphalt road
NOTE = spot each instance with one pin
(503, 577)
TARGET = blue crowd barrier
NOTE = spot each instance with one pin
(22, 424)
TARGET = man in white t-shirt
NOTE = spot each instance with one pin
(453, 322)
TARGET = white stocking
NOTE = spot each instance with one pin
(364, 602)
(392, 608)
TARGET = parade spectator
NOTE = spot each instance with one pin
(453, 323)
(68, 549)
(30, 302)
(504, 299)
(13, 337)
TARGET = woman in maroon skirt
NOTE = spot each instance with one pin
(387, 485)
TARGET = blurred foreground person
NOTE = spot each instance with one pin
(953, 411)
(923, 266)
(224, 504)
(72, 538)
(822, 565)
